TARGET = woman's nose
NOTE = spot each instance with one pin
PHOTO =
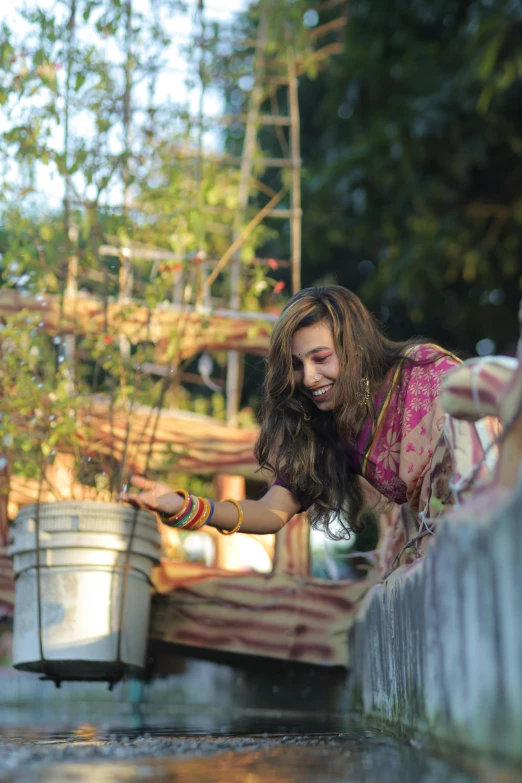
(309, 375)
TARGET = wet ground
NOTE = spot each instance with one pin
(286, 750)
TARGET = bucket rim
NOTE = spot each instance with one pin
(100, 504)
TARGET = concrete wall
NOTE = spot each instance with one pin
(438, 648)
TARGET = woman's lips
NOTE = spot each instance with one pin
(322, 397)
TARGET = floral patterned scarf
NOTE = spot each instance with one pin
(408, 454)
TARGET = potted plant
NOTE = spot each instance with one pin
(81, 359)
(82, 562)
(83, 392)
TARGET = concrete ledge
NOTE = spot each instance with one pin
(438, 648)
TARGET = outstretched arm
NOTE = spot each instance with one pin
(267, 515)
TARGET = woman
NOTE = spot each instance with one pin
(342, 403)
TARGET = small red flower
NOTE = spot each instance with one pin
(272, 263)
(167, 268)
(108, 340)
(279, 287)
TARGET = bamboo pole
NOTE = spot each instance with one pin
(267, 209)
(295, 153)
(71, 230)
(127, 104)
(247, 160)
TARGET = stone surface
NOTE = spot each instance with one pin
(438, 647)
(357, 756)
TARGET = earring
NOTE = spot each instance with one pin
(306, 416)
(364, 397)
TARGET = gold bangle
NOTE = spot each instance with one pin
(240, 517)
(166, 518)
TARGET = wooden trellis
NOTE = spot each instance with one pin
(294, 616)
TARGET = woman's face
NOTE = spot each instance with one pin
(315, 364)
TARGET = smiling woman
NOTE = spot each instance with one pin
(315, 364)
(342, 403)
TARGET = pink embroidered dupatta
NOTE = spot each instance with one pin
(413, 448)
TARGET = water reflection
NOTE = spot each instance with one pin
(363, 760)
(191, 723)
(248, 746)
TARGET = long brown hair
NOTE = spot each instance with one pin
(307, 454)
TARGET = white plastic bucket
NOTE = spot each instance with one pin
(93, 618)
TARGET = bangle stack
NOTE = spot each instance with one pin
(194, 513)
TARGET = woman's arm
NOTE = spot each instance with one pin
(267, 515)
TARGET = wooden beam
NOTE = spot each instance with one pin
(334, 24)
(202, 329)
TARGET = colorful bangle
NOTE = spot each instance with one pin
(193, 523)
(239, 521)
(179, 519)
(206, 514)
(171, 519)
(194, 512)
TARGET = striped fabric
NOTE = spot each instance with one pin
(476, 388)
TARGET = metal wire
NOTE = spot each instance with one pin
(43, 660)
(124, 591)
(126, 567)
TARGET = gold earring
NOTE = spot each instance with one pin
(364, 397)
(306, 417)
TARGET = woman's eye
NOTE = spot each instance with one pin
(321, 359)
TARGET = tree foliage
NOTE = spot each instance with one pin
(412, 148)
(81, 101)
(81, 108)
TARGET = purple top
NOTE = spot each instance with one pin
(353, 458)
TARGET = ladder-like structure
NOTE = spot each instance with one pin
(273, 75)
(274, 84)
(230, 330)
(290, 159)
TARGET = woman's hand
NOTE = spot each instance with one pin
(154, 496)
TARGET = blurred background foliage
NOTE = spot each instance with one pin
(411, 146)
(411, 142)
(82, 111)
